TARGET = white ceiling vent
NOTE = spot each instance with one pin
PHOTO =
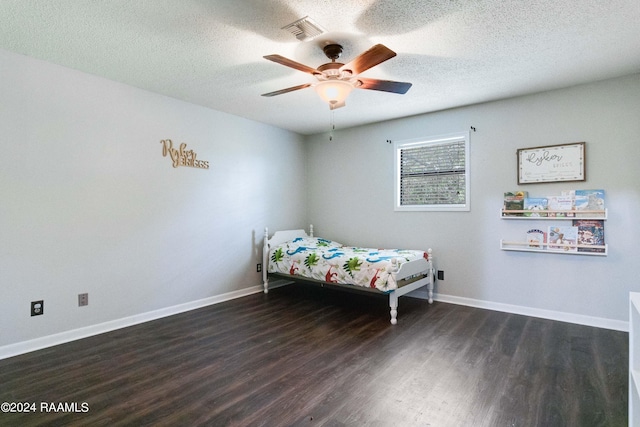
(305, 29)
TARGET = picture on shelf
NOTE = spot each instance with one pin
(589, 200)
(536, 238)
(536, 205)
(561, 203)
(590, 232)
(514, 201)
(563, 238)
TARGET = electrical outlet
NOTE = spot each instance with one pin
(37, 308)
(83, 299)
(440, 274)
(259, 268)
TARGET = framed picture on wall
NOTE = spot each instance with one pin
(551, 163)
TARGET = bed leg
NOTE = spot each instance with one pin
(430, 288)
(393, 304)
(432, 276)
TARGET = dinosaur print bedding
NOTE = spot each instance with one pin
(329, 261)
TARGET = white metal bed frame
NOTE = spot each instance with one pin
(410, 276)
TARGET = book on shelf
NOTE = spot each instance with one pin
(514, 200)
(561, 203)
(535, 206)
(536, 238)
(589, 200)
(590, 232)
(563, 238)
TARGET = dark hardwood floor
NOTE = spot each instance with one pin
(308, 356)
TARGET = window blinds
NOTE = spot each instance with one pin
(433, 174)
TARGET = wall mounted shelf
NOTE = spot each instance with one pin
(512, 214)
(526, 247)
(562, 248)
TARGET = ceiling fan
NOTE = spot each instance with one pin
(336, 80)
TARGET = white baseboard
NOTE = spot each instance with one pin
(598, 322)
(88, 331)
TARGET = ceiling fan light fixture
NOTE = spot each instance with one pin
(334, 92)
(336, 80)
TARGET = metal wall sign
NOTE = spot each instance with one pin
(181, 156)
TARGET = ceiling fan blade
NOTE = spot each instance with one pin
(384, 85)
(291, 63)
(370, 58)
(289, 89)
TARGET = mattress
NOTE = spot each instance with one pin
(329, 261)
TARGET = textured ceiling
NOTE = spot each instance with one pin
(209, 52)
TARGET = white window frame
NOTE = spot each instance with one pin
(433, 140)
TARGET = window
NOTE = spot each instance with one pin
(432, 174)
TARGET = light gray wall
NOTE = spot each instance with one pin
(90, 205)
(351, 197)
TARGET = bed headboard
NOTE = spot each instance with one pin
(277, 238)
(284, 235)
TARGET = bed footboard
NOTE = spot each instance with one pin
(426, 280)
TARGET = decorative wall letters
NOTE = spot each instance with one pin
(181, 156)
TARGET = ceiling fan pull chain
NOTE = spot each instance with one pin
(333, 125)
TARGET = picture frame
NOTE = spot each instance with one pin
(552, 163)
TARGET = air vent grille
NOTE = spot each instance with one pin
(305, 29)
